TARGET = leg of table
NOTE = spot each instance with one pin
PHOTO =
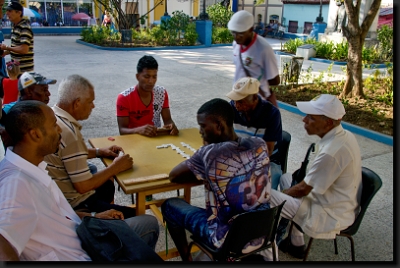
(140, 204)
(187, 193)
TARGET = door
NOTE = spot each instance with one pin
(293, 26)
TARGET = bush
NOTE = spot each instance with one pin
(221, 35)
(385, 47)
(219, 15)
(190, 34)
(99, 35)
(292, 45)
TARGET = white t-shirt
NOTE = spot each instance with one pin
(335, 176)
(35, 217)
(259, 59)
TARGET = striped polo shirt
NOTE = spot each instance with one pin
(21, 34)
(69, 164)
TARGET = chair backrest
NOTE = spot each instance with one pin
(283, 148)
(248, 226)
(371, 183)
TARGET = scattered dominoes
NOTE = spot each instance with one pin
(177, 149)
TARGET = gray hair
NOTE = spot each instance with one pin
(73, 87)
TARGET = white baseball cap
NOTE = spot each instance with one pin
(324, 104)
(244, 87)
(241, 21)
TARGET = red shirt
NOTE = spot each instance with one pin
(130, 104)
(10, 88)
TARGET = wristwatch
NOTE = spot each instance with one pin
(93, 214)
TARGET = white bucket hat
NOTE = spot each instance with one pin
(241, 21)
(244, 87)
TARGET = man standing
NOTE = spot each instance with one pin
(235, 172)
(327, 200)
(140, 108)
(252, 55)
(21, 38)
(69, 167)
(36, 221)
(257, 117)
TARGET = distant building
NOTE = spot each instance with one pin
(385, 16)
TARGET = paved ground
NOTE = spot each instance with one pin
(191, 78)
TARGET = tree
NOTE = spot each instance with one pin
(355, 35)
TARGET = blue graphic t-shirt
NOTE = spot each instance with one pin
(237, 179)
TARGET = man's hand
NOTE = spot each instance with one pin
(122, 163)
(110, 152)
(110, 214)
(5, 53)
(147, 130)
(174, 130)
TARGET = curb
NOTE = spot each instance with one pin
(148, 48)
(342, 63)
(376, 136)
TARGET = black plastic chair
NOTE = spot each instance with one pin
(371, 183)
(245, 227)
(283, 148)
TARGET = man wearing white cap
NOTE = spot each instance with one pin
(252, 55)
(31, 86)
(255, 117)
(327, 200)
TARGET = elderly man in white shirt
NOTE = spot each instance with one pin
(36, 221)
(327, 200)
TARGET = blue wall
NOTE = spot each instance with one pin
(50, 30)
(303, 13)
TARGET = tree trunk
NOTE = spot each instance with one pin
(355, 35)
(354, 83)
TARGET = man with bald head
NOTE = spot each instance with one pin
(37, 223)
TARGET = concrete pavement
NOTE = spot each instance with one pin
(191, 78)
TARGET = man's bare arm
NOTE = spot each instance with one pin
(299, 190)
(7, 252)
(181, 173)
(146, 130)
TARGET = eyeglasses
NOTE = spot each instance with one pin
(12, 62)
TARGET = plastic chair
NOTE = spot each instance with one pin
(371, 183)
(245, 227)
(283, 148)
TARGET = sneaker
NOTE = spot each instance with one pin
(296, 251)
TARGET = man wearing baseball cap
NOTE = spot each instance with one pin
(31, 86)
(252, 55)
(257, 117)
(327, 200)
(21, 48)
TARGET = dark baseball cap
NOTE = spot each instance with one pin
(13, 5)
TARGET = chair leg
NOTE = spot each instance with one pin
(353, 257)
(335, 243)
(273, 251)
(308, 248)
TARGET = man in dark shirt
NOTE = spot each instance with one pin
(255, 116)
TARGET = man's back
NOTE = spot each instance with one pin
(236, 175)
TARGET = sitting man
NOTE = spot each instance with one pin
(36, 222)
(230, 167)
(69, 167)
(259, 27)
(139, 107)
(327, 200)
(255, 116)
(31, 86)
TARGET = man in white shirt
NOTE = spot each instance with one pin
(327, 200)
(252, 55)
(36, 221)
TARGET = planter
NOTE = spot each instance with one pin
(126, 35)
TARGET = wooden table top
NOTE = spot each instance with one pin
(148, 160)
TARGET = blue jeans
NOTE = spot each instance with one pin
(146, 227)
(179, 214)
(276, 173)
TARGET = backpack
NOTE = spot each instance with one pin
(109, 240)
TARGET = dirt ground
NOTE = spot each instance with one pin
(368, 113)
